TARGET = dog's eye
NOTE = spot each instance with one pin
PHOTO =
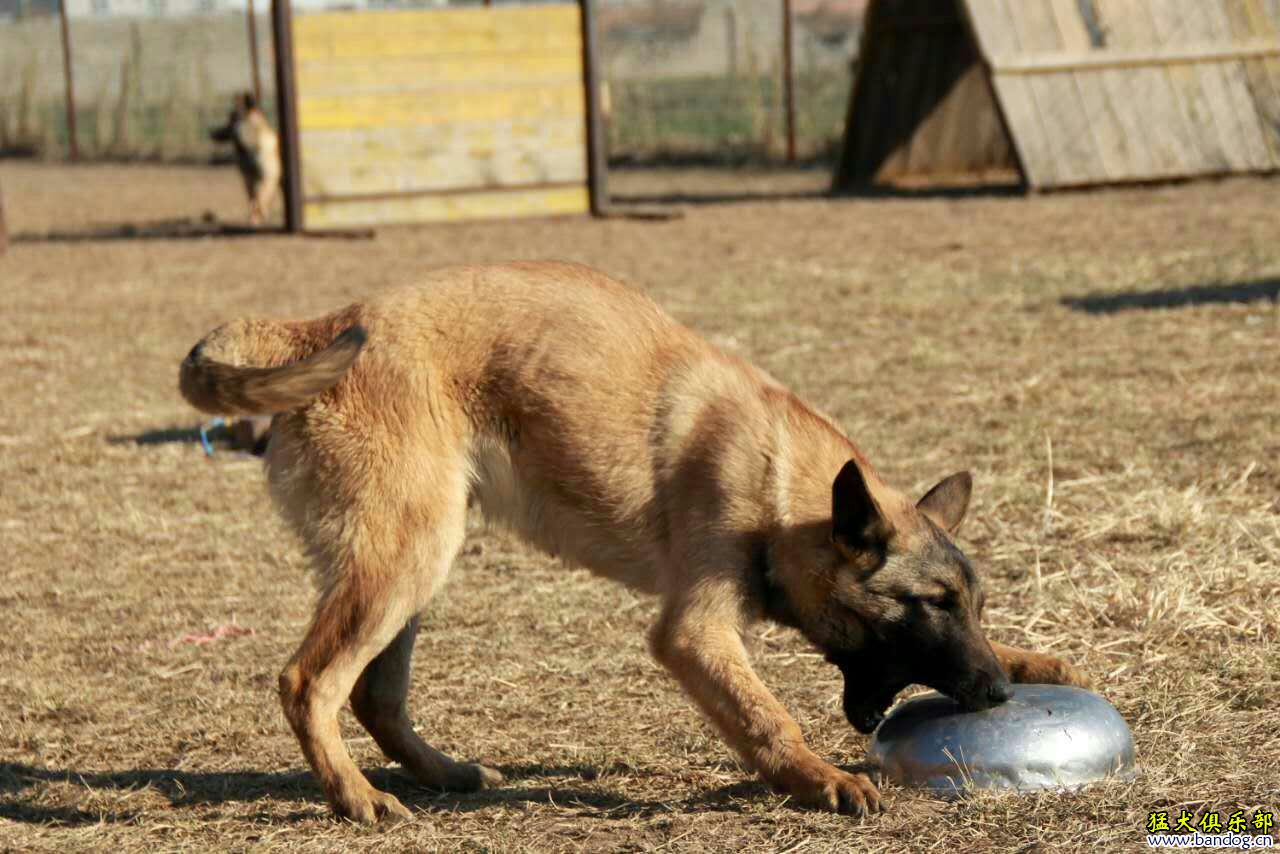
(941, 601)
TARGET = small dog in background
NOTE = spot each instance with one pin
(257, 153)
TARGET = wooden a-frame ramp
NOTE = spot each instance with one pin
(1063, 93)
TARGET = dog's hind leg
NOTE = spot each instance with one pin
(383, 553)
(265, 195)
(352, 625)
(378, 701)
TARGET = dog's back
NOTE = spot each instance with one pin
(574, 399)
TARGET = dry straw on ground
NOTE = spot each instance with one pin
(935, 330)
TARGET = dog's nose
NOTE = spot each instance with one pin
(998, 692)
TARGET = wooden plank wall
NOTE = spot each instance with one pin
(441, 114)
(1135, 89)
(922, 106)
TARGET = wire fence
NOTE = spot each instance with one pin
(144, 87)
(705, 79)
(686, 79)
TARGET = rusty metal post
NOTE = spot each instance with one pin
(69, 79)
(597, 160)
(788, 81)
(253, 55)
(287, 107)
(4, 231)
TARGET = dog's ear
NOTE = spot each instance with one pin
(246, 101)
(857, 523)
(948, 501)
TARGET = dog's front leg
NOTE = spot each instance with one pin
(704, 651)
(1036, 667)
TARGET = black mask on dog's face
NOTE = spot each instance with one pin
(875, 674)
(906, 604)
(869, 689)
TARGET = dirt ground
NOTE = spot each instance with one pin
(1106, 363)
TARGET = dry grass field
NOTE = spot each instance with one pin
(1107, 364)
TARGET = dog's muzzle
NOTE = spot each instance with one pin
(865, 704)
(983, 691)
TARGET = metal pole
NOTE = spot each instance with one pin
(253, 55)
(69, 80)
(4, 232)
(788, 81)
(731, 39)
(287, 104)
(597, 161)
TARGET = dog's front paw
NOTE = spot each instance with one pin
(1038, 668)
(829, 788)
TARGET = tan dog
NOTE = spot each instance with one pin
(601, 430)
(257, 154)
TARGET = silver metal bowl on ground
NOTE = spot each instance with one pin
(1044, 737)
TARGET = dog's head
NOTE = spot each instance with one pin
(904, 603)
(243, 104)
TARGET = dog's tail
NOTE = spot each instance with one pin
(221, 388)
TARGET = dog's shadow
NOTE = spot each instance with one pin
(162, 436)
(218, 436)
(194, 788)
(181, 788)
(207, 227)
(186, 228)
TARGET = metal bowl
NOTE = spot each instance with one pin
(1044, 737)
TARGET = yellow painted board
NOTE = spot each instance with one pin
(403, 103)
(448, 208)
(508, 168)
(318, 77)
(475, 139)
(499, 22)
(433, 32)
(359, 45)
(443, 156)
(441, 106)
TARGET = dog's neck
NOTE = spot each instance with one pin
(797, 529)
(775, 604)
(796, 564)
